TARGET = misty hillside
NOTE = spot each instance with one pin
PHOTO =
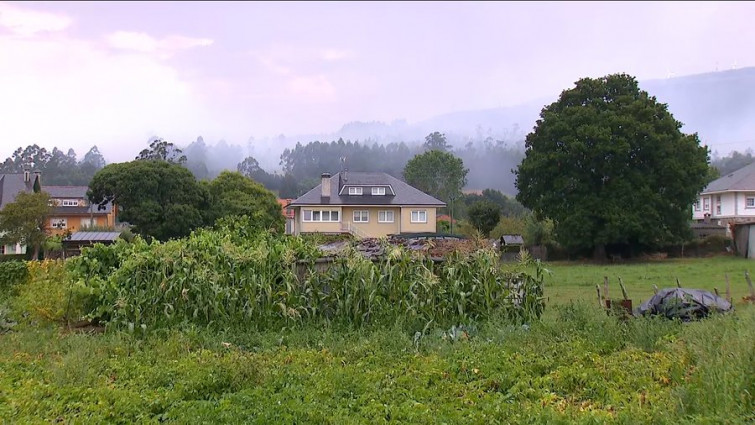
(719, 106)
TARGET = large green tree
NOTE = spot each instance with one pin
(23, 220)
(233, 194)
(484, 215)
(161, 199)
(437, 173)
(609, 165)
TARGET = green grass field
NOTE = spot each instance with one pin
(575, 365)
(572, 281)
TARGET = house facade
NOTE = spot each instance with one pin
(728, 199)
(10, 186)
(73, 212)
(365, 205)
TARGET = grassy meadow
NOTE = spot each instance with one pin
(571, 281)
(575, 364)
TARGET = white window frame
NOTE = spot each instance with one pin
(70, 203)
(355, 190)
(697, 205)
(384, 214)
(419, 213)
(320, 214)
(88, 222)
(706, 204)
(377, 191)
(358, 215)
(59, 223)
(749, 202)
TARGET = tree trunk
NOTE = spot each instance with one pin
(599, 253)
(36, 253)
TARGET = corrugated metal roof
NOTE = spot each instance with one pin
(94, 236)
(513, 239)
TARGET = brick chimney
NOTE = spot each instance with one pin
(27, 174)
(325, 185)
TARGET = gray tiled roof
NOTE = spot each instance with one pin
(404, 193)
(68, 192)
(11, 185)
(742, 179)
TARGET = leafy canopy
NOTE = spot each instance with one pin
(484, 216)
(609, 164)
(161, 199)
(232, 194)
(437, 173)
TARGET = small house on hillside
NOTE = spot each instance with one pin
(365, 205)
(729, 199)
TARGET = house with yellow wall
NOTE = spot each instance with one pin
(73, 212)
(365, 205)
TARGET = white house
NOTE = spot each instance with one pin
(730, 198)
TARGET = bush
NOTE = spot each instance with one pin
(12, 274)
(49, 295)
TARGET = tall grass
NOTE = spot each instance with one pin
(228, 277)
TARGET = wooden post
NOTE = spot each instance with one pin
(600, 300)
(728, 287)
(605, 288)
(749, 283)
(623, 289)
(678, 284)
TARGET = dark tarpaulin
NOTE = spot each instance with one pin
(682, 303)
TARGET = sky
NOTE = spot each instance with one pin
(117, 73)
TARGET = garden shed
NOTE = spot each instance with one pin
(744, 239)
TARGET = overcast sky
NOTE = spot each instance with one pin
(114, 74)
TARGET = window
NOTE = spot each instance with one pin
(88, 222)
(419, 216)
(58, 223)
(378, 191)
(697, 205)
(319, 215)
(70, 203)
(750, 202)
(361, 216)
(385, 216)
(706, 204)
(355, 191)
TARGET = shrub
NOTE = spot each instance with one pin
(12, 274)
(49, 294)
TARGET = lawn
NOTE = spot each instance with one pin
(576, 281)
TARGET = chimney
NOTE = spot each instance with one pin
(38, 176)
(326, 185)
(27, 175)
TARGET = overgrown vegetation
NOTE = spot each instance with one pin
(237, 331)
(575, 366)
(233, 277)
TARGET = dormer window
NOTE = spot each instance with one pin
(70, 203)
(355, 190)
(378, 191)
